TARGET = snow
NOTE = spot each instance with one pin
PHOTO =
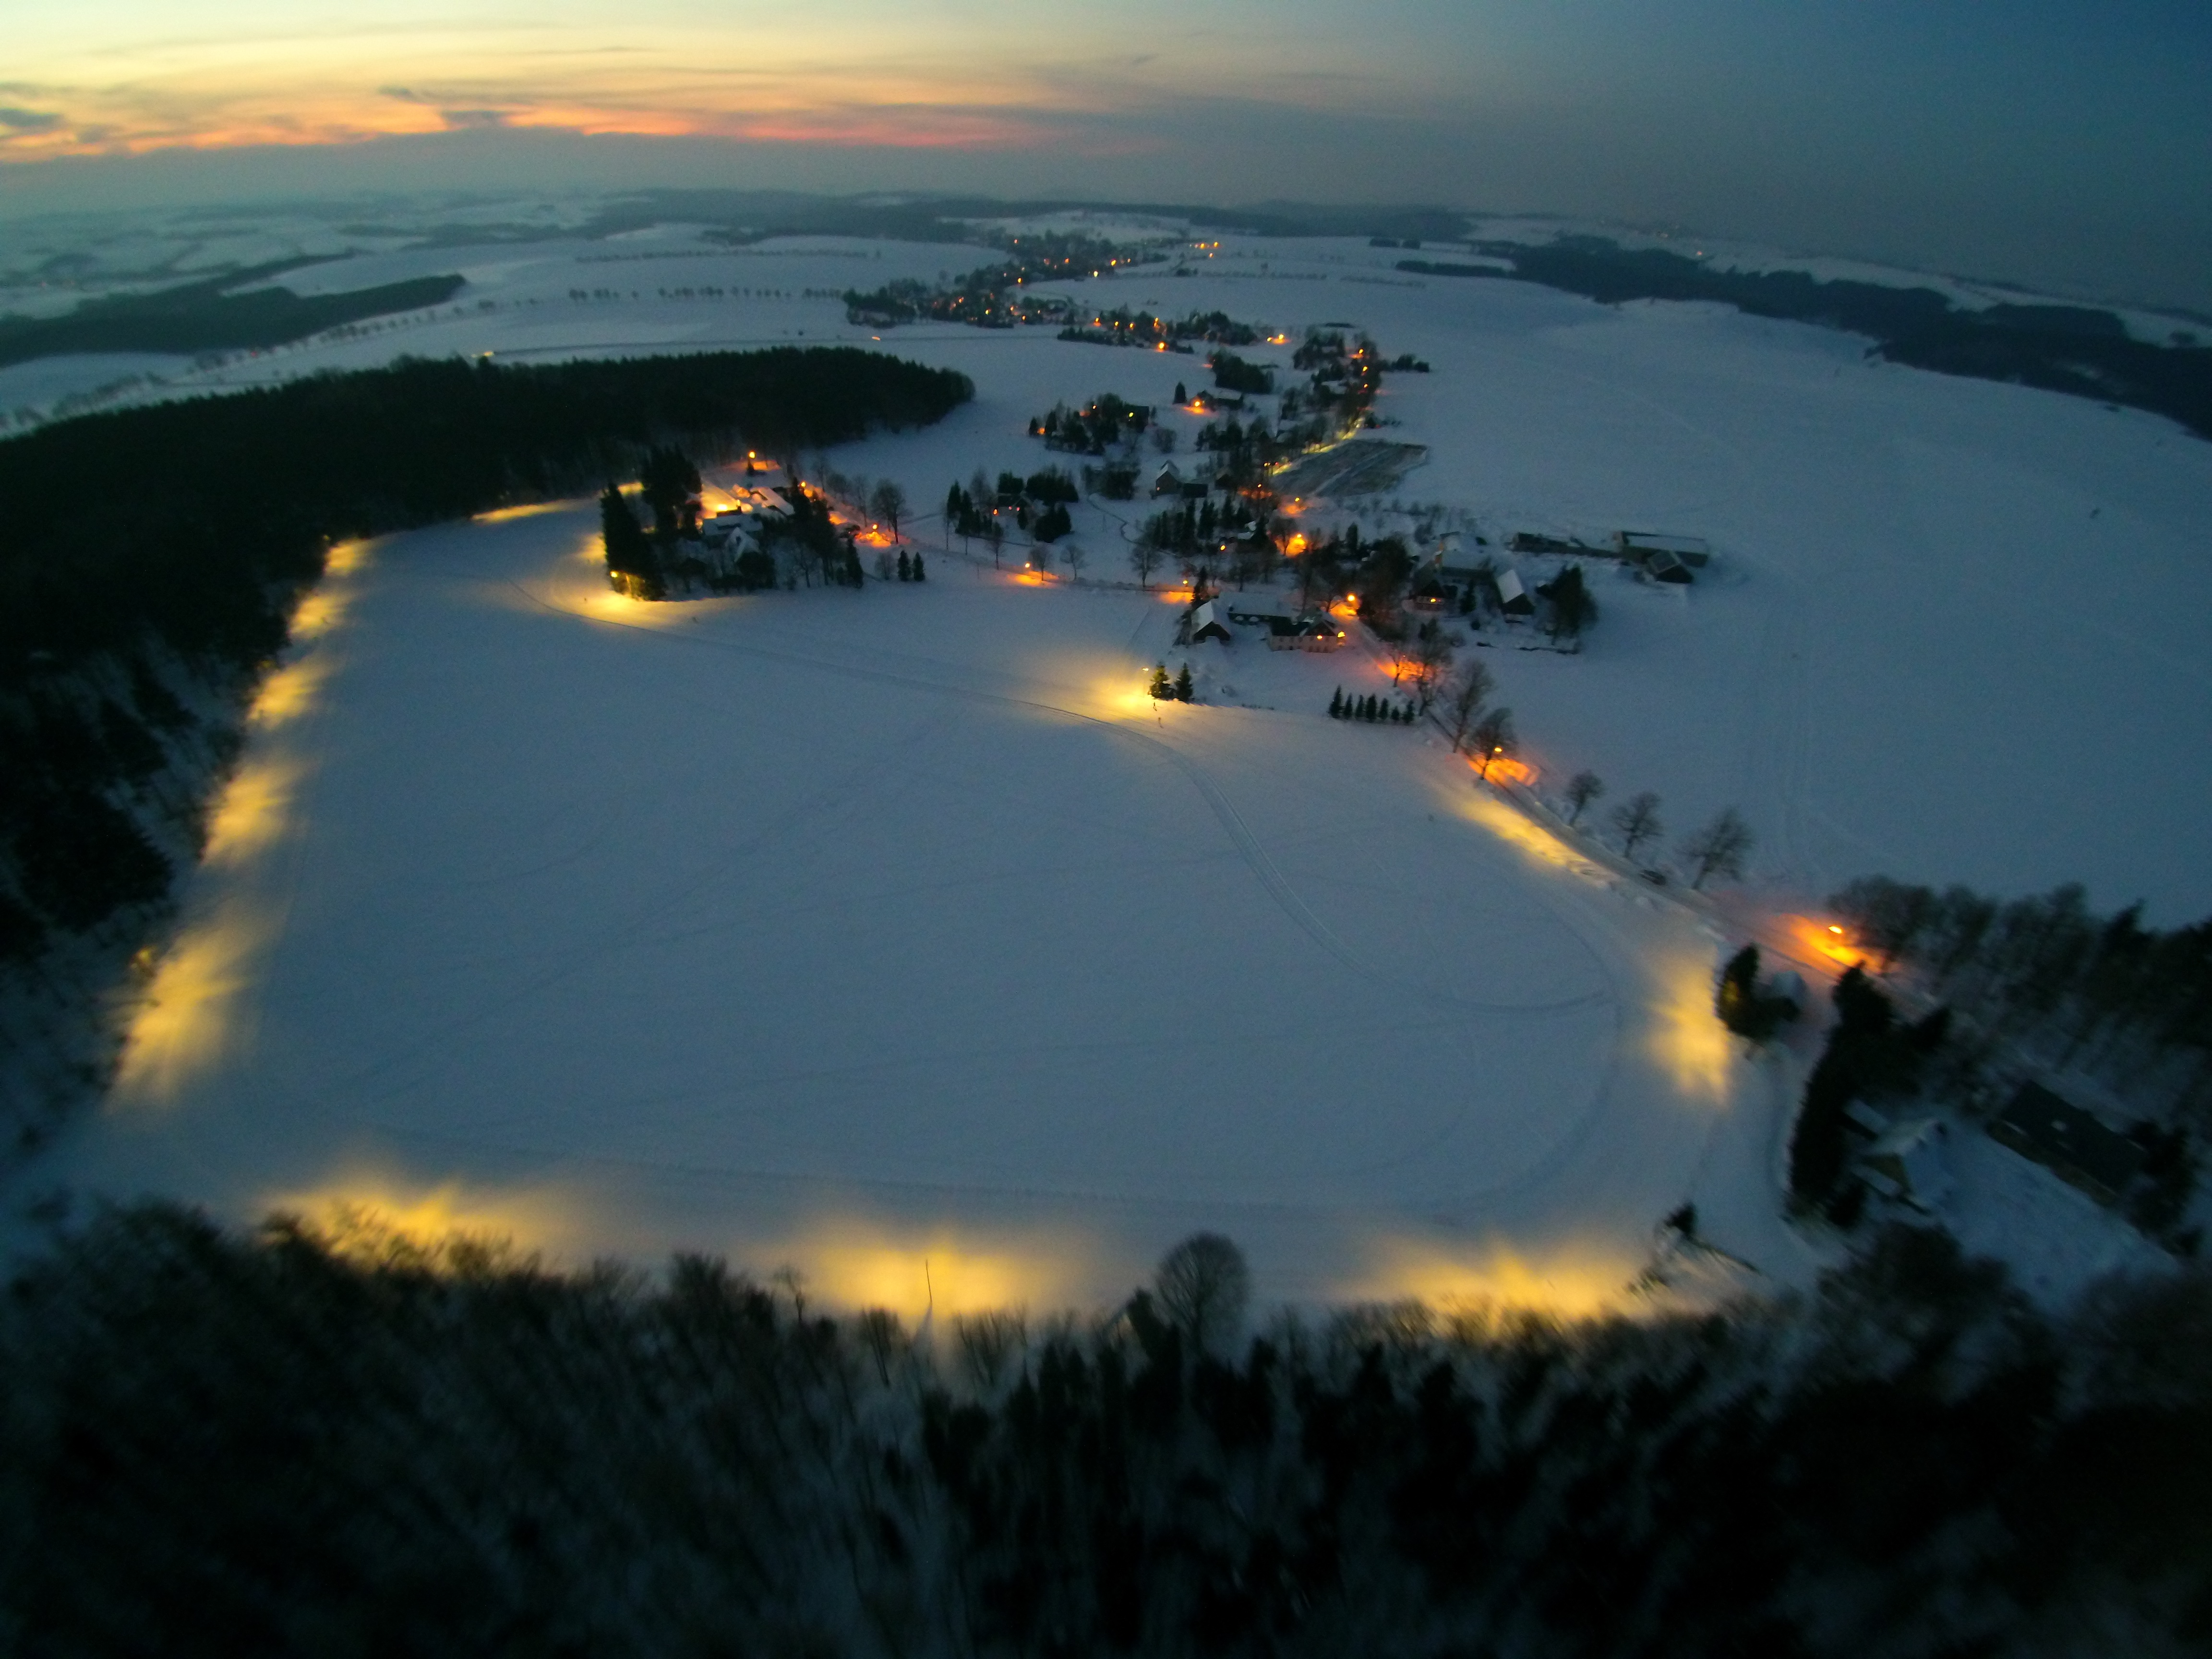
(898, 936)
(760, 925)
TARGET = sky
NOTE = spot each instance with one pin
(2052, 141)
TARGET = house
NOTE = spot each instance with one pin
(1638, 545)
(758, 499)
(2038, 1125)
(1513, 599)
(1168, 481)
(1531, 541)
(1907, 1162)
(1309, 630)
(1663, 567)
(1206, 625)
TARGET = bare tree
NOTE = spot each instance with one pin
(1432, 654)
(996, 533)
(1582, 788)
(1144, 559)
(1469, 692)
(1073, 556)
(1203, 1284)
(1638, 820)
(989, 1341)
(1493, 738)
(1719, 849)
(887, 504)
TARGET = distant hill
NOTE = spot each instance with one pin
(210, 316)
(2084, 352)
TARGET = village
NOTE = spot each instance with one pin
(1260, 516)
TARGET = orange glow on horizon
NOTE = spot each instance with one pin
(231, 82)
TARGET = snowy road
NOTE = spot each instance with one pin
(897, 936)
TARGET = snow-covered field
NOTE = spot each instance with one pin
(897, 935)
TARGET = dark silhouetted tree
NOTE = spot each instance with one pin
(1719, 849)
(1582, 788)
(1638, 820)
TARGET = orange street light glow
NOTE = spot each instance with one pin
(1825, 940)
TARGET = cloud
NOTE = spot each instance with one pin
(28, 121)
(463, 119)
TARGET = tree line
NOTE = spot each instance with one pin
(335, 1438)
(2078, 350)
(210, 315)
(2130, 1005)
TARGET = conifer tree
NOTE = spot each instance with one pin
(1336, 704)
(905, 567)
(1160, 686)
(1183, 687)
(920, 574)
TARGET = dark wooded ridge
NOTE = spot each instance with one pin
(2079, 350)
(210, 316)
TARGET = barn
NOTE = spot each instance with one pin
(1206, 623)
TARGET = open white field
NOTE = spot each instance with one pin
(1959, 631)
(898, 936)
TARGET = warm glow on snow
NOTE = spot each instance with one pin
(366, 1213)
(291, 691)
(251, 813)
(320, 612)
(188, 1022)
(1523, 833)
(856, 1264)
(507, 514)
(1568, 1283)
(347, 558)
(1686, 1037)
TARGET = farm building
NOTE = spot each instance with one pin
(1168, 481)
(1638, 545)
(1206, 623)
(2039, 1125)
(1312, 630)
(1513, 599)
(1906, 1161)
(1663, 567)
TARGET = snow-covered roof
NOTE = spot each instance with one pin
(1691, 549)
